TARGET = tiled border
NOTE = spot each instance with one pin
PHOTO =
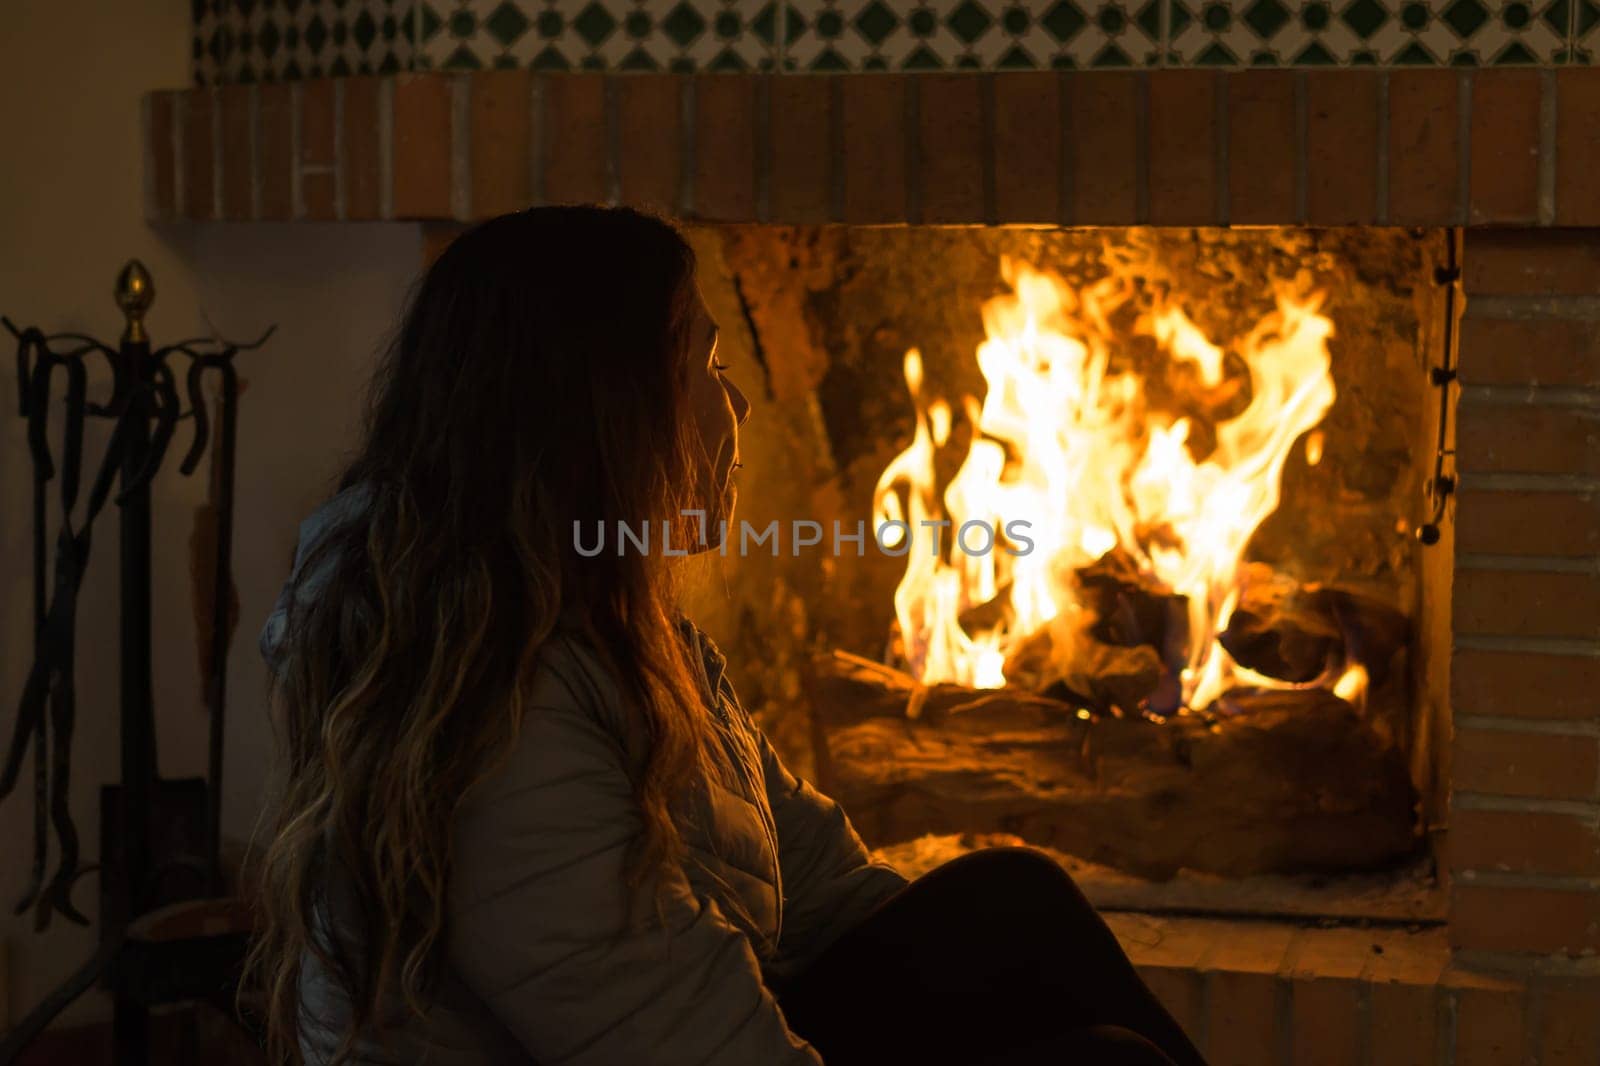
(1165, 147)
(837, 36)
(680, 36)
(1319, 33)
(1585, 31)
(271, 40)
(285, 40)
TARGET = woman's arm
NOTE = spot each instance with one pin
(830, 883)
(536, 920)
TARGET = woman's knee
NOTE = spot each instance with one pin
(1111, 1045)
(1094, 1045)
(1015, 874)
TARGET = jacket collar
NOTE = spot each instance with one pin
(713, 663)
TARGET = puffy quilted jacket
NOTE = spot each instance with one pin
(541, 965)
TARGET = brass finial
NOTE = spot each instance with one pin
(135, 293)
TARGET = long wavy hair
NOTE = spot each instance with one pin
(539, 379)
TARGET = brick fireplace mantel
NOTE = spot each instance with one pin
(1161, 147)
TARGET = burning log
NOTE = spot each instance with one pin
(1131, 607)
(1296, 632)
(1081, 671)
(1124, 657)
(1295, 781)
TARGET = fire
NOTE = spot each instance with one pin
(1077, 455)
(1352, 684)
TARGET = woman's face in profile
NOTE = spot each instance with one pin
(718, 409)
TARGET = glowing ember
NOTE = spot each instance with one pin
(1352, 684)
(1081, 455)
(1314, 442)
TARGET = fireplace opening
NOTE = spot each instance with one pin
(1140, 582)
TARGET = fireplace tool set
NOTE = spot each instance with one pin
(160, 865)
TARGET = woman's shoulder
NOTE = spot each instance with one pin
(571, 673)
(571, 677)
(574, 691)
(574, 733)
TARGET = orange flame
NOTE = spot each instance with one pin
(1072, 449)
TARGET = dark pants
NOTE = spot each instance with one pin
(994, 959)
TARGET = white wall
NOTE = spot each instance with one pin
(335, 292)
(71, 212)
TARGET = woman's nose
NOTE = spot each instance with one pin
(741, 405)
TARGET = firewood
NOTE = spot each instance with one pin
(1129, 607)
(1296, 632)
(1293, 781)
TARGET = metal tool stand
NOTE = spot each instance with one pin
(160, 837)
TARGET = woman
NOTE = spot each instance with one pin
(524, 818)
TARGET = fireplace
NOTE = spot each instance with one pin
(1375, 839)
(1129, 593)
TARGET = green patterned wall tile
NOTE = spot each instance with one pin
(1116, 34)
(665, 35)
(857, 35)
(1271, 32)
(1309, 33)
(1498, 32)
(268, 40)
(250, 40)
(1585, 33)
(707, 35)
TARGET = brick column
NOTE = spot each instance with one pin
(1523, 846)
